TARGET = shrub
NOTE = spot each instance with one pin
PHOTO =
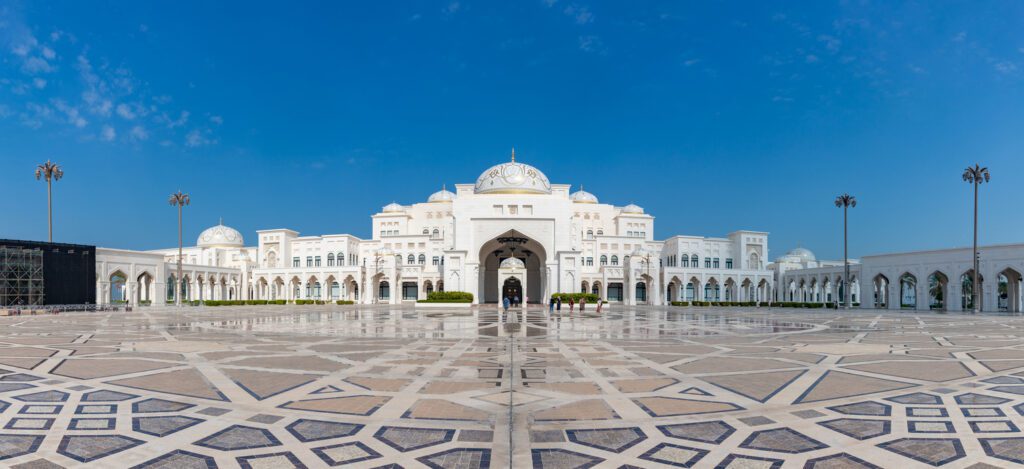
(680, 303)
(575, 297)
(449, 297)
(344, 302)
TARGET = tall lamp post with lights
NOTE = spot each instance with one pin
(846, 202)
(976, 176)
(179, 200)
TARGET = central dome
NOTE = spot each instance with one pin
(512, 178)
(220, 236)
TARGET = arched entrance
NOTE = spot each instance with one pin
(512, 244)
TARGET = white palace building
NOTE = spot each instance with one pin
(513, 233)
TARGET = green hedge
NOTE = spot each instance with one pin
(310, 302)
(590, 297)
(344, 302)
(448, 297)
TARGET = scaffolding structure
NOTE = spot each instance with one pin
(21, 276)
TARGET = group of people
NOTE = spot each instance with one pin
(555, 304)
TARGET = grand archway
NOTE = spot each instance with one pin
(510, 244)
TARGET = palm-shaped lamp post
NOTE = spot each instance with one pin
(846, 202)
(51, 172)
(976, 175)
(180, 200)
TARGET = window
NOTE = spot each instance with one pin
(341, 259)
(436, 233)
(316, 261)
(422, 259)
(686, 261)
(590, 262)
(695, 261)
(629, 234)
(411, 259)
(590, 234)
(295, 262)
(615, 260)
(330, 260)
(309, 261)
(435, 261)
(383, 233)
(728, 263)
(707, 262)
(716, 262)
(499, 210)
(600, 232)
(604, 260)
(513, 209)
(426, 231)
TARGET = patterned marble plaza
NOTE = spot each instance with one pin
(390, 386)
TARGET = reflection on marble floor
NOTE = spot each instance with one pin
(324, 386)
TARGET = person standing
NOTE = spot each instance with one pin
(583, 304)
(572, 305)
(551, 305)
(599, 303)
(558, 305)
(505, 304)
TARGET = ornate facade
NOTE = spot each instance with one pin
(567, 241)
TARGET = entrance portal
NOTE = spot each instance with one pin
(512, 289)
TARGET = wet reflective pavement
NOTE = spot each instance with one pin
(322, 386)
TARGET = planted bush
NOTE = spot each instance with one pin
(448, 297)
(344, 302)
(576, 297)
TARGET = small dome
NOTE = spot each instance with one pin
(632, 208)
(512, 178)
(443, 195)
(801, 254)
(512, 263)
(583, 197)
(220, 236)
(393, 207)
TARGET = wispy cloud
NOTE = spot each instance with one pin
(580, 13)
(591, 43)
(60, 81)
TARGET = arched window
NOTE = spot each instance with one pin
(694, 260)
(330, 259)
(436, 233)
(590, 234)
(411, 259)
(615, 260)
(604, 260)
(341, 259)
(685, 260)
(641, 291)
(600, 232)
(384, 291)
(426, 231)
(422, 259)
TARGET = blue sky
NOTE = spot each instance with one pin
(714, 116)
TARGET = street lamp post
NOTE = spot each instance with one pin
(179, 200)
(51, 172)
(846, 201)
(975, 175)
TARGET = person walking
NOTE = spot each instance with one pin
(551, 305)
(558, 305)
(505, 304)
(583, 304)
(572, 305)
(515, 301)
(599, 303)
